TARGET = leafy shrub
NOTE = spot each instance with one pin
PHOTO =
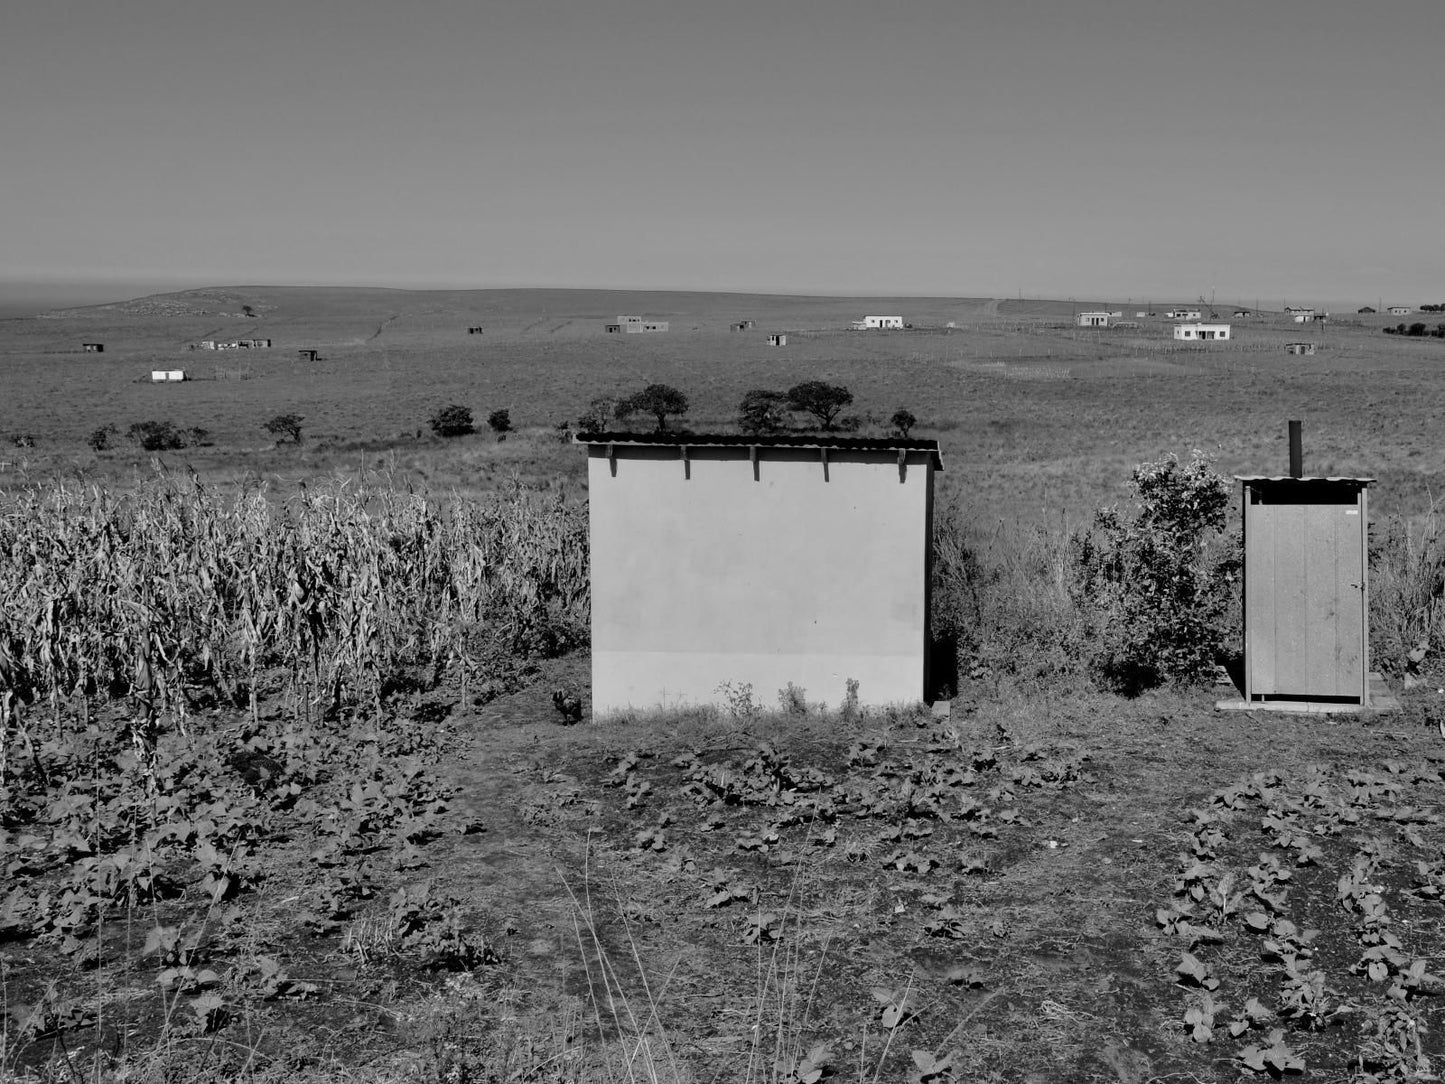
(499, 421)
(154, 436)
(1156, 586)
(902, 421)
(452, 421)
(285, 427)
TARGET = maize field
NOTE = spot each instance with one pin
(176, 594)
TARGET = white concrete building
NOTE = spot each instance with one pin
(1400, 310)
(1094, 319)
(761, 561)
(1201, 332)
(167, 376)
(1184, 314)
(873, 323)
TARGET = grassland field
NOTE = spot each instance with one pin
(1037, 419)
(284, 794)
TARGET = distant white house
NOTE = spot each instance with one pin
(167, 376)
(1399, 310)
(1094, 319)
(873, 323)
(1184, 314)
(1201, 332)
(777, 340)
(1240, 313)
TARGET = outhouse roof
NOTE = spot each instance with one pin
(1292, 478)
(741, 440)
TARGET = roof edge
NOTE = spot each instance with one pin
(740, 440)
(1337, 479)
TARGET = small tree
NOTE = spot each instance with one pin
(285, 427)
(822, 400)
(659, 400)
(452, 421)
(598, 415)
(155, 436)
(247, 310)
(902, 421)
(763, 411)
(500, 422)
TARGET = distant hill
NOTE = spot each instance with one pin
(344, 301)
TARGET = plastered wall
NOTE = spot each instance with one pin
(720, 570)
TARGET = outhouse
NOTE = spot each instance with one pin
(306, 355)
(93, 348)
(1306, 592)
(721, 562)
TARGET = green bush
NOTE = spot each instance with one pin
(154, 436)
(452, 421)
(1158, 586)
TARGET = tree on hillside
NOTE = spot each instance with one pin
(659, 400)
(822, 400)
(902, 421)
(500, 422)
(285, 427)
(452, 421)
(762, 411)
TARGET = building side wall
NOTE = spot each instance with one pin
(787, 577)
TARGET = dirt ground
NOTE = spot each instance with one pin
(1006, 886)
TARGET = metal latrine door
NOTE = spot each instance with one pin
(1305, 590)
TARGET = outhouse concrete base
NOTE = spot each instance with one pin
(1381, 699)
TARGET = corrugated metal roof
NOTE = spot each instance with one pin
(740, 440)
(1292, 478)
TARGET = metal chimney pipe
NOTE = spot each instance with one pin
(1296, 451)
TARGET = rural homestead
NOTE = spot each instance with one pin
(762, 561)
(1201, 332)
(635, 325)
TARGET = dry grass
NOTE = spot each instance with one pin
(1015, 449)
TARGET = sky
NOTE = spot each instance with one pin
(1278, 150)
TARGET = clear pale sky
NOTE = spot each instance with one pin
(1280, 149)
